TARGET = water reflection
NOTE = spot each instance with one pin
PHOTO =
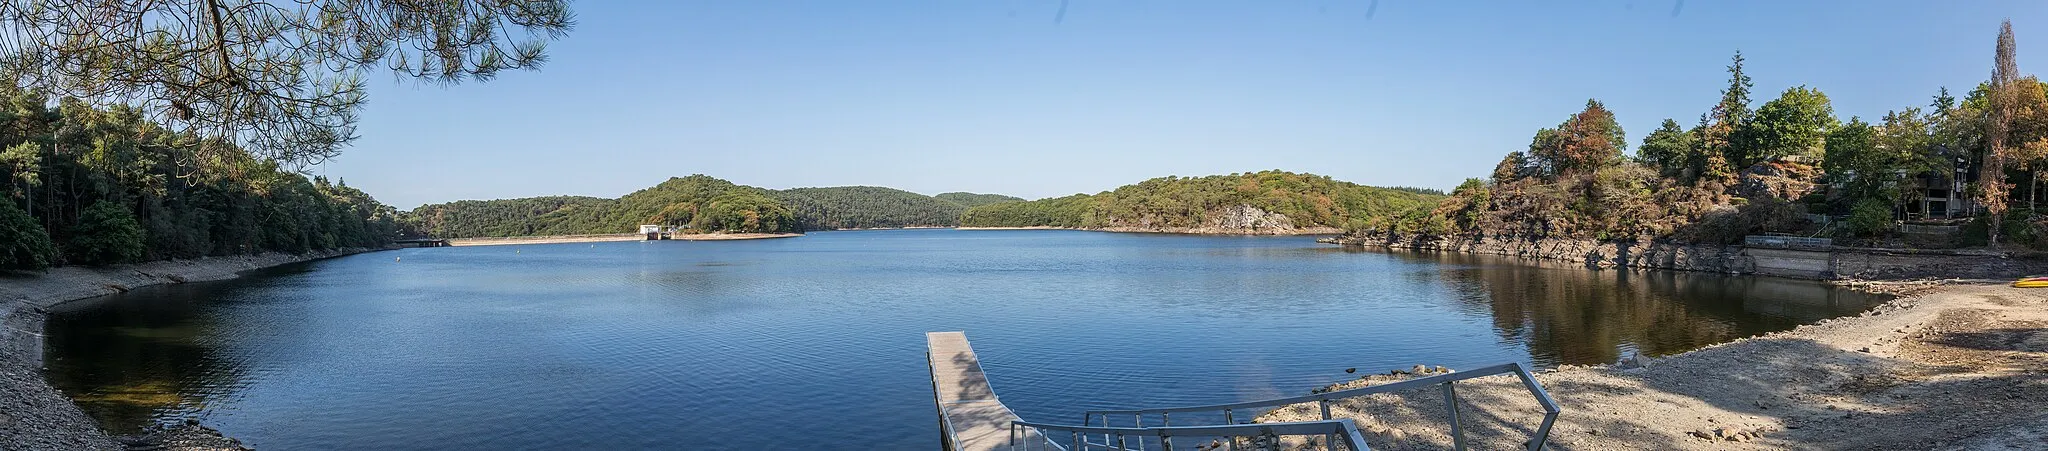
(1568, 314)
(644, 345)
(150, 359)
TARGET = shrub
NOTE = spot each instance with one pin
(1869, 217)
(24, 244)
(106, 233)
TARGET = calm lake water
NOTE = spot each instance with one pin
(818, 341)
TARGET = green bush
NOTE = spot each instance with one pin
(24, 244)
(1869, 217)
(106, 233)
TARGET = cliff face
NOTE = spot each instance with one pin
(1236, 220)
(1838, 263)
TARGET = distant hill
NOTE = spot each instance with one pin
(866, 207)
(701, 202)
(551, 215)
(971, 200)
(1259, 202)
(1253, 203)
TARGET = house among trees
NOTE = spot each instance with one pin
(1945, 194)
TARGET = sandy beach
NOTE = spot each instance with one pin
(1954, 367)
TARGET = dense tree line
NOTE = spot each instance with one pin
(1743, 171)
(864, 207)
(700, 203)
(532, 216)
(1070, 211)
(1191, 202)
(971, 200)
(94, 186)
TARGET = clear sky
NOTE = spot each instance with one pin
(1027, 98)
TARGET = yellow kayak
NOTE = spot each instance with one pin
(2031, 282)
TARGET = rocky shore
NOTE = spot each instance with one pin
(36, 416)
(1961, 367)
(1838, 263)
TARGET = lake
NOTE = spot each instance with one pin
(818, 341)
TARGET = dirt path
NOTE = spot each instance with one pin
(1958, 367)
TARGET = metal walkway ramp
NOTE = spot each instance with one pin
(971, 418)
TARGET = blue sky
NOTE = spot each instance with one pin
(1016, 97)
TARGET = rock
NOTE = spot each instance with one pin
(1419, 369)
(1441, 369)
(1701, 434)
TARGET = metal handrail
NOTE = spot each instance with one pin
(1542, 435)
(1119, 438)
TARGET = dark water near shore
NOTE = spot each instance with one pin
(817, 342)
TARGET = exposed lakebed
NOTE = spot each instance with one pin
(818, 341)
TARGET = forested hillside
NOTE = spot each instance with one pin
(864, 207)
(1786, 166)
(551, 215)
(701, 203)
(92, 186)
(1212, 202)
(971, 200)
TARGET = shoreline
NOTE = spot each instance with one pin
(45, 418)
(1952, 367)
(558, 239)
(1843, 265)
(1310, 231)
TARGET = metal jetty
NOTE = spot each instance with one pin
(972, 418)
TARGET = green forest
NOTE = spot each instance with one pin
(866, 207)
(1786, 166)
(89, 186)
(1190, 202)
(971, 200)
(700, 203)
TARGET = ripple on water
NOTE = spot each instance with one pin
(650, 345)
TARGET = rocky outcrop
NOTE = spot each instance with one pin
(1249, 217)
(1595, 254)
(1837, 263)
(1237, 220)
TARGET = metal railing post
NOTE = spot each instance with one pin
(1457, 426)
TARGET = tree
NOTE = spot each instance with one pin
(1991, 187)
(1714, 138)
(1793, 124)
(1904, 144)
(23, 163)
(283, 79)
(1854, 162)
(24, 244)
(1512, 167)
(1666, 150)
(106, 233)
(1589, 140)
